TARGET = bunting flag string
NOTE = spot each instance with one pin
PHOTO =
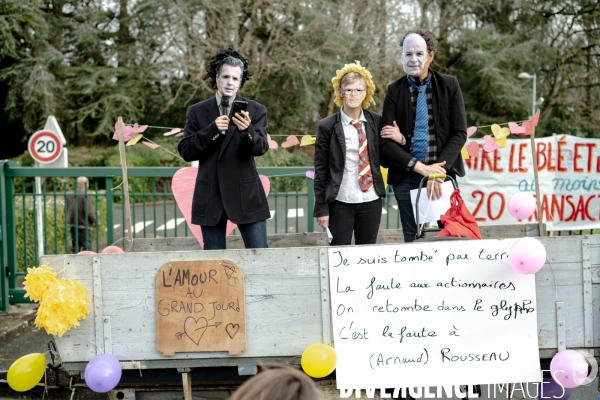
(499, 135)
(133, 134)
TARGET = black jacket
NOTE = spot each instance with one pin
(449, 119)
(330, 158)
(85, 213)
(227, 177)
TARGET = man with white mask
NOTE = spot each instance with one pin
(424, 126)
(227, 186)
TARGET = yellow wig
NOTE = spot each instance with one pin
(359, 69)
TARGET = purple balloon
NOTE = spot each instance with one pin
(103, 373)
(569, 368)
(527, 255)
(521, 205)
(549, 389)
(310, 174)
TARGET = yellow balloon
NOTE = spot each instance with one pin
(26, 372)
(318, 360)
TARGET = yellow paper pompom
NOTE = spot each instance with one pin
(37, 281)
(62, 306)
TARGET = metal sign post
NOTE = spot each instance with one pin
(47, 148)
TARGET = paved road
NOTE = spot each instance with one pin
(35, 341)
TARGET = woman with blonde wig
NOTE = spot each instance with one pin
(348, 182)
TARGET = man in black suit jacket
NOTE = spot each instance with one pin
(228, 185)
(419, 141)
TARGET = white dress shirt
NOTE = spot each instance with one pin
(350, 191)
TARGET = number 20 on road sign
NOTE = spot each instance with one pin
(45, 146)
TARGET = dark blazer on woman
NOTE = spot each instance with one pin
(330, 158)
(449, 119)
(227, 177)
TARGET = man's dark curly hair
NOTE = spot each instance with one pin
(428, 36)
(222, 57)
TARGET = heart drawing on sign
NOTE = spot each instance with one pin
(195, 328)
(183, 185)
(232, 329)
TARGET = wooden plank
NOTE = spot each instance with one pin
(325, 297)
(280, 240)
(200, 306)
(284, 301)
(560, 326)
(187, 385)
(588, 307)
(98, 306)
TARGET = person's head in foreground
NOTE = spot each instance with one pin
(278, 382)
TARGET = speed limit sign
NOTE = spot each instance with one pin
(45, 146)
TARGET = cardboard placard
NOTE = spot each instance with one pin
(200, 306)
(432, 313)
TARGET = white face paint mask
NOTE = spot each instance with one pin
(415, 57)
(229, 80)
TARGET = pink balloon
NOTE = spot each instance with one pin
(527, 255)
(103, 373)
(86, 252)
(521, 205)
(569, 368)
(112, 250)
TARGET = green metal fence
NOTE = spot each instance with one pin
(154, 212)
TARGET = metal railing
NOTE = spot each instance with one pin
(36, 222)
(33, 222)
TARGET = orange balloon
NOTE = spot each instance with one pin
(112, 250)
(86, 252)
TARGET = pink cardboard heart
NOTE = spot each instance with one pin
(272, 144)
(528, 125)
(290, 141)
(473, 149)
(183, 184)
(516, 129)
(490, 144)
(471, 130)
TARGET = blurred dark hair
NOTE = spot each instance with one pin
(227, 56)
(428, 36)
(278, 382)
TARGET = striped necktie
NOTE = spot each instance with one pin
(421, 134)
(365, 175)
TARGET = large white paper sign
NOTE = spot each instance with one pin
(432, 313)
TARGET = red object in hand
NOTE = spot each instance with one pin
(458, 220)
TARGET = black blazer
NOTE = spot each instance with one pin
(227, 177)
(330, 158)
(449, 119)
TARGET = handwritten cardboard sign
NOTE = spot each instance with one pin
(432, 313)
(200, 306)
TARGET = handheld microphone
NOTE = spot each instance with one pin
(224, 106)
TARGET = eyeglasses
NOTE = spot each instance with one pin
(353, 92)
